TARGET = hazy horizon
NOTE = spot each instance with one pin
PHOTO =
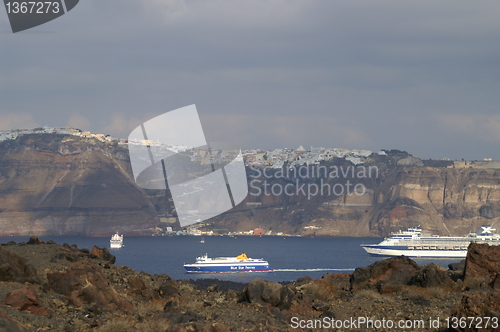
(422, 77)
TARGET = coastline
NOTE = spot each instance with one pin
(50, 287)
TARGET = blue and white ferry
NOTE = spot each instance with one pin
(414, 243)
(241, 263)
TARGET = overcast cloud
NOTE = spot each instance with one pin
(422, 76)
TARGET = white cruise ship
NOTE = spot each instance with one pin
(414, 243)
(116, 241)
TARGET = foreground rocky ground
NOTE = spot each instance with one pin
(52, 287)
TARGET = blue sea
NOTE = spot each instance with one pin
(291, 257)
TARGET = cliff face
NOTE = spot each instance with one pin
(443, 199)
(61, 184)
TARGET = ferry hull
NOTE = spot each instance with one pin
(442, 253)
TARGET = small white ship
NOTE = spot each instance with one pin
(414, 243)
(116, 241)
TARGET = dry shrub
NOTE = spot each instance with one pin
(127, 324)
(391, 288)
(410, 291)
(368, 294)
(153, 325)
(321, 289)
(439, 292)
(186, 288)
(117, 325)
(154, 305)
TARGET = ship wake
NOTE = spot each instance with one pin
(312, 270)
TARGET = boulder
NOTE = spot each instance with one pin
(103, 254)
(302, 281)
(35, 240)
(84, 282)
(265, 292)
(69, 253)
(136, 286)
(15, 268)
(320, 289)
(431, 275)
(482, 266)
(457, 267)
(394, 270)
(339, 280)
(26, 299)
(478, 304)
(168, 288)
(10, 324)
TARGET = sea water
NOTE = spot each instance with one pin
(290, 257)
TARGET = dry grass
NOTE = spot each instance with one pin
(438, 292)
(368, 294)
(391, 288)
(153, 325)
(126, 324)
(155, 305)
(186, 288)
(117, 325)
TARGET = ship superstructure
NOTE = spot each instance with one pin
(414, 243)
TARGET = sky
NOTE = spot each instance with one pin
(419, 76)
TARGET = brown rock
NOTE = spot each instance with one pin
(482, 266)
(70, 254)
(10, 324)
(457, 267)
(303, 280)
(34, 240)
(320, 289)
(26, 299)
(85, 282)
(136, 286)
(266, 292)
(15, 268)
(103, 254)
(168, 288)
(339, 280)
(478, 304)
(394, 270)
(431, 275)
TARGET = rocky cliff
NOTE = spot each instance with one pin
(387, 193)
(49, 287)
(63, 184)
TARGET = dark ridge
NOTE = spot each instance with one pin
(223, 285)
(437, 163)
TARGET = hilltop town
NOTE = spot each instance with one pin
(69, 181)
(275, 159)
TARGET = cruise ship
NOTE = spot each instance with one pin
(116, 241)
(414, 243)
(241, 263)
